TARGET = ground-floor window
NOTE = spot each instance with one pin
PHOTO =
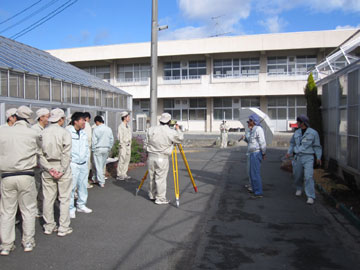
(286, 107)
(186, 109)
(228, 107)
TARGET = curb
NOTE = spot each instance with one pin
(346, 212)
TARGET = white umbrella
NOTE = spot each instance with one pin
(265, 121)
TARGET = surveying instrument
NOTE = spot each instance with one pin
(175, 173)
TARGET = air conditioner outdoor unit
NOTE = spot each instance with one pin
(141, 122)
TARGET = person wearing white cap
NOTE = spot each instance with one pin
(42, 116)
(102, 141)
(56, 178)
(124, 136)
(10, 117)
(18, 157)
(224, 129)
(159, 144)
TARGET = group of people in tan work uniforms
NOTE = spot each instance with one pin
(48, 161)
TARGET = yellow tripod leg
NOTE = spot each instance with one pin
(142, 182)
(187, 167)
(176, 176)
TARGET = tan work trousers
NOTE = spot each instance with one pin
(38, 183)
(158, 167)
(124, 160)
(51, 189)
(17, 191)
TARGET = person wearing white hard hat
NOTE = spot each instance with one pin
(10, 117)
(124, 136)
(55, 158)
(159, 145)
(42, 116)
(18, 157)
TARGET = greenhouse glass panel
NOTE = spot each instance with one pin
(75, 94)
(44, 89)
(31, 87)
(16, 85)
(56, 90)
(3, 84)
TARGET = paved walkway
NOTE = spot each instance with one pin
(217, 228)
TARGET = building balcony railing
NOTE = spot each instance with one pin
(248, 77)
(286, 76)
(133, 81)
(181, 79)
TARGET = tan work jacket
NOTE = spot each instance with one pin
(56, 147)
(124, 134)
(37, 127)
(160, 139)
(19, 148)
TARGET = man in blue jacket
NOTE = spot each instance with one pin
(304, 144)
(102, 142)
(79, 163)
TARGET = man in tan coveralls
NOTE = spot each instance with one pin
(56, 177)
(42, 116)
(159, 144)
(124, 136)
(18, 158)
(88, 131)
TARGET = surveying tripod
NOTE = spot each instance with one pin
(175, 173)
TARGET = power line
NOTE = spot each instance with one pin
(20, 12)
(44, 19)
(30, 15)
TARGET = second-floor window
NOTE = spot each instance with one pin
(290, 65)
(185, 70)
(133, 73)
(102, 72)
(236, 67)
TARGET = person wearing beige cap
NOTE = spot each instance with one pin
(42, 116)
(18, 158)
(159, 143)
(55, 158)
(10, 117)
(124, 136)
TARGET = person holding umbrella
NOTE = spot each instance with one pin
(256, 151)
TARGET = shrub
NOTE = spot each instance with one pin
(313, 106)
(138, 153)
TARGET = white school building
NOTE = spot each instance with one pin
(203, 81)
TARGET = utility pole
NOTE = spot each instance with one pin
(154, 63)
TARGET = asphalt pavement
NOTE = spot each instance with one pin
(220, 227)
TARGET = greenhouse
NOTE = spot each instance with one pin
(32, 77)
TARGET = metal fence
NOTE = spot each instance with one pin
(341, 115)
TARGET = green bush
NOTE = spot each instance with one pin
(138, 154)
(313, 106)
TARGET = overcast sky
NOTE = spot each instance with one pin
(102, 22)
